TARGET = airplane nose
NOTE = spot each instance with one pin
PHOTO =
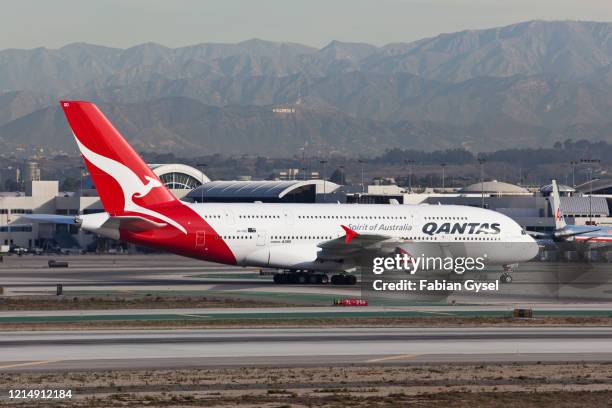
(531, 249)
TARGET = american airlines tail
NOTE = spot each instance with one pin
(556, 202)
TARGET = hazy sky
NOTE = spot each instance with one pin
(123, 23)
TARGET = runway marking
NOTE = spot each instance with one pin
(389, 358)
(30, 363)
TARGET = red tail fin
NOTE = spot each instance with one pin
(123, 180)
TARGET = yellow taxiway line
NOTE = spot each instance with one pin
(29, 363)
(396, 357)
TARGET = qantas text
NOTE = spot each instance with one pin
(432, 228)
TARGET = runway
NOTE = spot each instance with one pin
(92, 350)
(166, 274)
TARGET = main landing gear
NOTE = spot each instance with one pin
(313, 278)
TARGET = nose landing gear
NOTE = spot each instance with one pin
(506, 277)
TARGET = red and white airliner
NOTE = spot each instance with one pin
(311, 240)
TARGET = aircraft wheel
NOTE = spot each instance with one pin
(506, 278)
(293, 278)
(313, 279)
(323, 279)
(302, 278)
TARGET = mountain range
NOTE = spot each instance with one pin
(528, 84)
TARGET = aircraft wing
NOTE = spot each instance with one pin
(575, 233)
(354, 243)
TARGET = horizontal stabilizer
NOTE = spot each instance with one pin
(51, 218)
(132, 223)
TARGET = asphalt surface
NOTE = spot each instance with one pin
(93, 350)
(533, 281)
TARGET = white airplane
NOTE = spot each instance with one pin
(309, 241)
(593, 236)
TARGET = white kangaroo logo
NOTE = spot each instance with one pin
(152, 183)
(130, 183)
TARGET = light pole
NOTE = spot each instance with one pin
(573, 163)
(202, 166)
(362, 185)
(81, 168)
(481, 161)
(409, 163)
(590, 162)
(443, 175)
(323, 162)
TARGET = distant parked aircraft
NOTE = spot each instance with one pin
(596, 237)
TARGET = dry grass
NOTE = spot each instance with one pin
(118, 302)
(337, 321)
(526, 385)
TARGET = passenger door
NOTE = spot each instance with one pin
(200, 239)
(288, 217)
(229, 217)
